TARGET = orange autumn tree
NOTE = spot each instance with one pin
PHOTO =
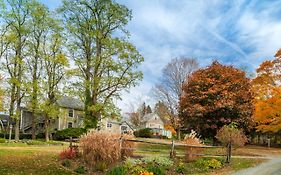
(214, 97)
(267, 86)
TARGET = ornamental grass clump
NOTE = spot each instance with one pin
(191, 153)
(97, 146)
(105, 147)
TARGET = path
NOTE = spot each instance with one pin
(270, 167)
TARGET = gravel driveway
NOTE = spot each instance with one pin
(271, 167)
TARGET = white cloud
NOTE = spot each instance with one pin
(235, 32)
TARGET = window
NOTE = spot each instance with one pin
(70, 113)
(109, 125)
(124, 128)
(70, 125)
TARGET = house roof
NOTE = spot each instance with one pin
(69, 102)
(150, 117)
(5, 118)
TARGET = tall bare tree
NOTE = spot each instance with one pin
(169, 89)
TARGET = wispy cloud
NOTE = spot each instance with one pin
(241, 32)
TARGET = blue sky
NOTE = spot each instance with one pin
(242, 33)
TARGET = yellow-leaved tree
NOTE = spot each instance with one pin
(267, 87)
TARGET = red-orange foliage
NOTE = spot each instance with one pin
(216, 96)
(68, 154)
(267, 88)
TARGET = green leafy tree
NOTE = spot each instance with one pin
(40, 22)
(107, 62)
(16, 20)
(54, 69)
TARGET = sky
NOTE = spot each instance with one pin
(242, 33)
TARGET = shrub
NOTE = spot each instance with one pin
(193, 140)
(230, 134)
(68, 154)
(206, 164)
(159, 161)
(145, 133)
(120, 170)
(80, 170)
(21, 136)
(181, 168)
(66, 163)
(214, 164)
(156, 170)
(2, 140)
(137, 170)
(100, 166)
(100, 146)
(69, 132)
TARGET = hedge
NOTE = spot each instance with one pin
(145, 133)
(69, 132)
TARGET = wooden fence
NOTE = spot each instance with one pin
(173, 145)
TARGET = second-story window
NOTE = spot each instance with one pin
(70, 113)
(109, 125)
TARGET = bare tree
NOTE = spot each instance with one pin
(136, 117)
(169, 89)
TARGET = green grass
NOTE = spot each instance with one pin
(42, 159)
(239, 163)
(20, 160)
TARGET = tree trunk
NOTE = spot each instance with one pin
(179, 133)
(47, 138)
(17, 130)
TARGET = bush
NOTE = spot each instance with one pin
(193, 140)
(156, 170)
(80, 170)
(229, 133)
(137, 170)
(69, 132)
(100, 166)
(100, 146)
(145, 133)
(159, 161)
(66, 163)
(22, 136)
(214, 164)
(205, 163)
(181, 168)
(68, 154)
(2, 140)
(120, 170)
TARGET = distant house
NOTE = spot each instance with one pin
(5, 120)
(114, 126)
(70, 116)
(154, 122)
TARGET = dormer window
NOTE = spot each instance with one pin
(70, 113)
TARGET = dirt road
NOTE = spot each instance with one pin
(270, 167)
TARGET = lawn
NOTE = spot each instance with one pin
(20, 158)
